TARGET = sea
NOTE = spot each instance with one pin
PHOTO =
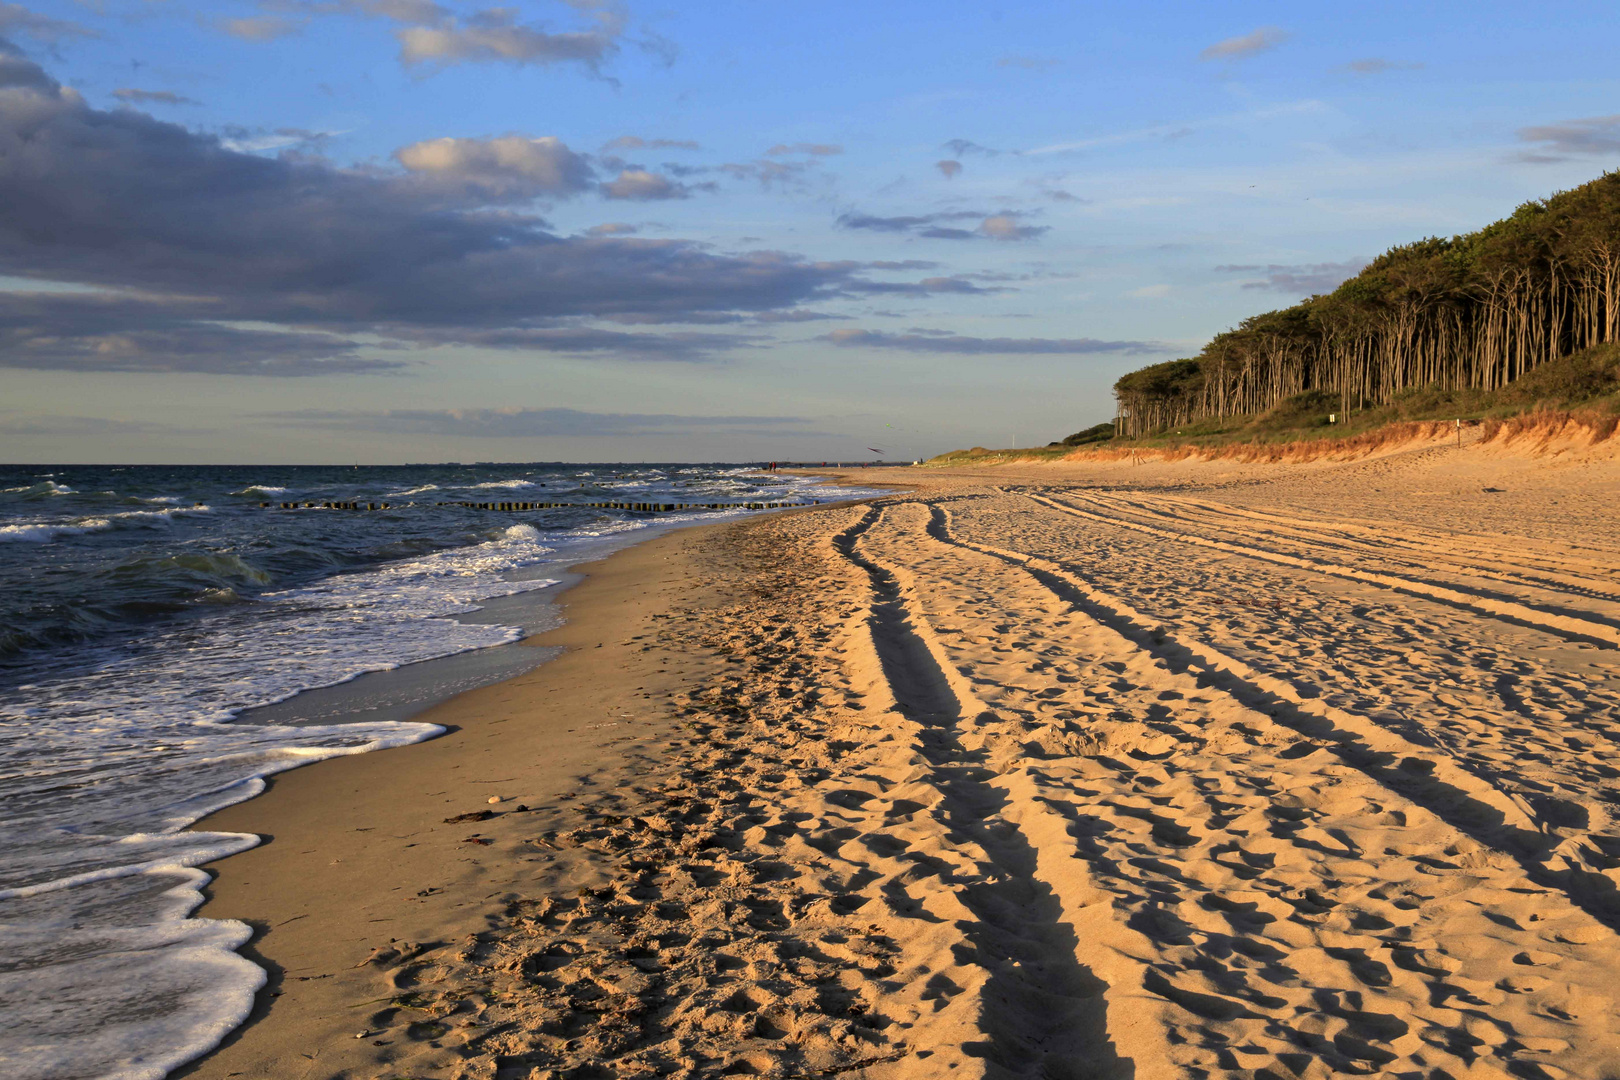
(168, 640)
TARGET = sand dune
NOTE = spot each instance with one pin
(1046, 774)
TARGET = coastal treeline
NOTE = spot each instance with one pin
(1475, 311)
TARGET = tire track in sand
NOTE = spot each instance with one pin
(1567, 626)
(1531, 564)
(1463, 792)
(1290, 915)
(1045, 1013)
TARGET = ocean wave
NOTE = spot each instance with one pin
(261, 489)
(411, 491)
(41, 532)
(206, 570)
(44, 487)
(506, 484)
(158, 517)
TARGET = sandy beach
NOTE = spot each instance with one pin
(1083, 769)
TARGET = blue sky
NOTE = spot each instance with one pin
(405, 230)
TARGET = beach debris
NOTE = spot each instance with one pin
(480, 840)
(471, 815)
(493, 799)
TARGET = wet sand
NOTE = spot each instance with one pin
(1075, 770)
(359, 855)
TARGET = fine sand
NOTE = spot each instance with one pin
(1091, 769)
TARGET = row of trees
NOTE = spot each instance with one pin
(1472, 312)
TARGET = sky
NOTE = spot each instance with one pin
(378, 231)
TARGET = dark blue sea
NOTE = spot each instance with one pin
(149, 614)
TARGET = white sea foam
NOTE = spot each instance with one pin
(44, 487)
(41, 532)
(104, 974)
(157, 517)
(262, 489)
(148, 1018)
(411, 491)
(506, 484)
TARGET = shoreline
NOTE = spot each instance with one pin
(319, 824)
(1005, 774)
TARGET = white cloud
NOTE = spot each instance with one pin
(640, 185)
(511, 167)
(494, 35)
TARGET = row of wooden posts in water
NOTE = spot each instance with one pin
(640, 507)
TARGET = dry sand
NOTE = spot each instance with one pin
(1078, 770)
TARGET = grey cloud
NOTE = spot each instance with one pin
(948, 167)
(671, 168)
(797, 316)
(519, 423)
(636, 142)
(769, 173)
(813, 149)
(925, 287)
(1299, 279)
(1003, 225)
(1059, 195)
(16, 423)
(700, 318)
(1257, 41)
(117, 199)
(257, 140)
(259, 28)
(505, 169)
(1595, 135)
(682, 346)
(900, 223)
(22, 74)
(964, 147)
(1374, 65)
(77, 332)
(16, 19)
(613, 228)
(421, 12)
(131, 96)
(936, 341)
(715, 318)
(639, 185)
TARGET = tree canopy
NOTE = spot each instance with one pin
(1475, 311)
